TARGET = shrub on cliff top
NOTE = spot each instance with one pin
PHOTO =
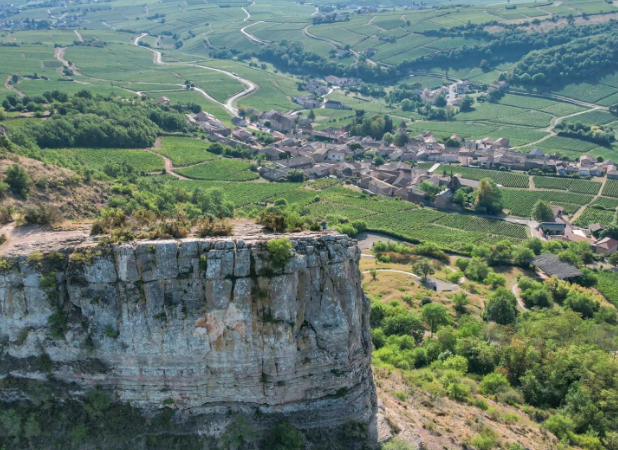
(280, 251)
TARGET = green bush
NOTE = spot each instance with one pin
(494, 382)
(18, 179)
(284, 436)
(280, 251)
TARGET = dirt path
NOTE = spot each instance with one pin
(556, 121)
(169, 166)
(79, 36)
(520, 302)
(250, 86)
(12, 88)
(583, 208)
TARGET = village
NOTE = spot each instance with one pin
(424, 170)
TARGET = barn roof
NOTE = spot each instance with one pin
(552, 265)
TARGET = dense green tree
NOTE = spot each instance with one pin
(424, 268)
(466, 104)
(434, 315)
(542, 212)
(501, 307)
(489, 195)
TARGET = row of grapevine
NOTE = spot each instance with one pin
(520, 202)
(593, 215)
(479, 224)
(568, 184)
(611, 188)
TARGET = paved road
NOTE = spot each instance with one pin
(250, 86)
(336, 44)
(252, 37)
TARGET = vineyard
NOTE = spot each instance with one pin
(604, 202)
(506, 179)
(593, 215)
(520, 202)
(608, 285)
(479, 224)
(416, 226)
(98, 158)
(184, 151)
(611, 188)
(568, 184)
(220, 169)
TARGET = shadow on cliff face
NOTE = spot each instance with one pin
(48, 416)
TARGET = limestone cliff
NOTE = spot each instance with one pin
(206, 327)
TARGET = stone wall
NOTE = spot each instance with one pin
(206, 327)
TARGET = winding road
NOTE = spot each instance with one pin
(336, 44)
(250, 86)
(550, 128)
(252, 37)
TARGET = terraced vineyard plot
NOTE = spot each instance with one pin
(479, 224)
(416, 226)
(241, 194)
(593, 118)
(611, 188)
(593, 215)
(97, 158)
(520, 202)
(565, 143)
(588, 92)
(324, 208)
(568, 184)
(604, 202)
(376, 204)
(608, 285)
(220, 169)
(184, 151)
(506, 179)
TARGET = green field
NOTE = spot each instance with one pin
(568, 184)
(98, 158)
(520, 202)
(220, 169)
(593, 215)
(611, 188)
(184, 151)
(506, 179)
(608, 285)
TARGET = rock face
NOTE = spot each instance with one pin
(203, 326)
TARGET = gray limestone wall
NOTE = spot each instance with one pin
(202, 326)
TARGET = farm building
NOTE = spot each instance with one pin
(550, 265)
(606, 246)
(552, 228)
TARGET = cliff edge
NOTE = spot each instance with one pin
(206, 327)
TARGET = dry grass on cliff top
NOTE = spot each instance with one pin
(56, 186)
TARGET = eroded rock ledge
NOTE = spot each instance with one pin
(202, 326)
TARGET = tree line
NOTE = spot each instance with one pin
(87, 120)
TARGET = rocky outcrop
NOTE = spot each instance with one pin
(206, 327)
